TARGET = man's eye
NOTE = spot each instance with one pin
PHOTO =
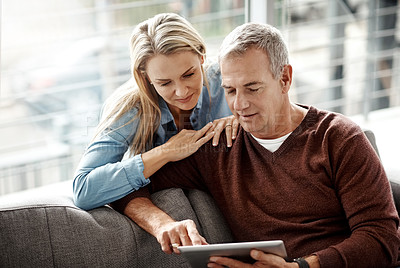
(254, 89)
(230, 91)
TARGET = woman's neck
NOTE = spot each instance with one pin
(181, 118)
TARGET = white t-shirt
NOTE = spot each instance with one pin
(272, 144)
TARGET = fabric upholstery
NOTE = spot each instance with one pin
(213, 225)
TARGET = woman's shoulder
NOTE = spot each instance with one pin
(213, 70)
(214, 79)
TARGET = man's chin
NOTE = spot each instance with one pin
(247, 127)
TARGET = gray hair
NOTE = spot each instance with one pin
(262, 36)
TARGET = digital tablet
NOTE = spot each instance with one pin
(198, 256)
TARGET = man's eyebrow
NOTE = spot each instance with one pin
(245, 85)
(225, 86)
(252, 84)
(167, 79)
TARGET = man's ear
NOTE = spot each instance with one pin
(286, 78)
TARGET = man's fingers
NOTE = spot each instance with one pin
(175, 240)
(165, 243)
(195, 237)
(231, 263)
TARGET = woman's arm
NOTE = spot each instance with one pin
(103, 177)
(180, 146)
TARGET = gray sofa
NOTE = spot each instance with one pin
(43, 228)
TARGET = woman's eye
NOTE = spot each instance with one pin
(188, 75)
(165, 84)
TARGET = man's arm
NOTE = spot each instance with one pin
(139, 207)
(165, 229)
(364, 192)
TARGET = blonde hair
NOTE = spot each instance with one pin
(165, 34)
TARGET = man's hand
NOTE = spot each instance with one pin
(263, 260)
(165, 229)
(182, 233)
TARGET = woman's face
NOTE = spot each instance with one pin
(177, 78)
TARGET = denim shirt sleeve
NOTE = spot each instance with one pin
(103, 176)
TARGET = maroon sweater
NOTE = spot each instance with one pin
(324, 191)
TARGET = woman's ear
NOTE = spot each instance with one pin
(201, 59)
(286, 78)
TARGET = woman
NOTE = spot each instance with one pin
(144, 118)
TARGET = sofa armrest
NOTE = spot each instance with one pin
(211, 221)
(43, 228)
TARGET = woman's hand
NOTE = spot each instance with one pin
(179, 233)
(180, 146)
(263, 260)
(186, 142)
(231, 126)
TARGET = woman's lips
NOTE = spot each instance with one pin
(187, 99)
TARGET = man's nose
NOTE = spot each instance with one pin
(241, 102)
(181, 89)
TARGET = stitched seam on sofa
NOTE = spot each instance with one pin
(36, 207)
(50, 238)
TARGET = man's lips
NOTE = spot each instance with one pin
(247, 116)
(187, 99)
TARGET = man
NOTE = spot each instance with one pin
(305, 176)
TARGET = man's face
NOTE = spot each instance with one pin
(253, 95)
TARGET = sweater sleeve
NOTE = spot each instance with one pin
(364, 191)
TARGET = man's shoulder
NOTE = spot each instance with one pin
(334, 125)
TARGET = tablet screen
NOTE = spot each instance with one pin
(198, 256)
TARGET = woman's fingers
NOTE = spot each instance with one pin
(229, 136)
(235, 127)
(227, 124)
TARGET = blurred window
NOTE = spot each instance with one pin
(61, 59)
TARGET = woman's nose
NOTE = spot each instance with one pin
(181, 90)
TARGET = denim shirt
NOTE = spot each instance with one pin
(105, 175)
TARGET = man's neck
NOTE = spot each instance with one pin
(291, 117)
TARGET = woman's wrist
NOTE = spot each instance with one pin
(154, 159)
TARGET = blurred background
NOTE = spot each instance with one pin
(61, 59)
